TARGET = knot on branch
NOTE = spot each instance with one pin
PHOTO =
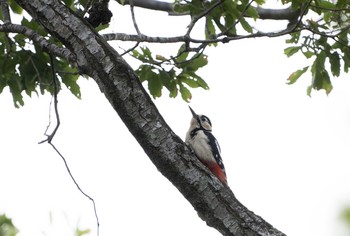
(99, 14)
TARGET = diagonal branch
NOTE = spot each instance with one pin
(214, 203)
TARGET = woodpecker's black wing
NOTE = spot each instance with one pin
(214, 144)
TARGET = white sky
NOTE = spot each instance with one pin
(286, 155)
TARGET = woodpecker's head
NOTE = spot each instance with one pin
(200, 121)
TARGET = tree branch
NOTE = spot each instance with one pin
(179, 39)
(142, 38)
(150, 4)
(278, 14)
(214, 203)
(264, 13)
(53, 133)
(40, 40)
(135, 26)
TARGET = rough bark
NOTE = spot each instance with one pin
(214, 203)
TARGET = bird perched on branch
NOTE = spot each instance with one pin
(200, 138)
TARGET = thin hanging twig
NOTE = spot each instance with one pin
(51, 136)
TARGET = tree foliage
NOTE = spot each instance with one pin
(6, 226)
(318, 29)
(70, 31)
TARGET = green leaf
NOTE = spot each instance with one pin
(334, 60)
(196, 7)
(160, 58)
(181, 54)
(326, 4)
(201, 82)
(69, 3)
(168, 79)
(185, 93)
(294, 38)
(296, 75)
(260, 2)
(291, 51)
(84, 3)
(320, 76)
(101, 27)
(147, 53)
(16, 89)
(197, 61)
(309, 90)
(246, 26)
(20, 39)
(155, 86)
(34, 26)
(181, 8)
(70, 81)
(144, 56)
(190, 82)
(80, 232)
(346, 59)
(15, 7)
(252, 12)
(209, 28)
(6, 226)
(346, 215)
(308, 54)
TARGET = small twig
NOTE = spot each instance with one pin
(77, 185)
(55, 102)
(130, 49)
(51, 136)
(134, 18)
(135, 26)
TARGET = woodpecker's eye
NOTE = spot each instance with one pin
(205, 119)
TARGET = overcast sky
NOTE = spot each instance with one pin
(286, 154)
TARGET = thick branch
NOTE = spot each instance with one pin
(180, 39)
(264, 13)
(150, 4)
(143, 38)
(214, 203)
(278, 14)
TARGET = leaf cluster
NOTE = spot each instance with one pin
(25, 67)
(326, 42)
(320, 33)
(6, 226)
(225, 18)
(181, 76)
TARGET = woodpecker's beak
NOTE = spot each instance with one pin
(193, 113)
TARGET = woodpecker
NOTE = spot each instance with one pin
(200, 138)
